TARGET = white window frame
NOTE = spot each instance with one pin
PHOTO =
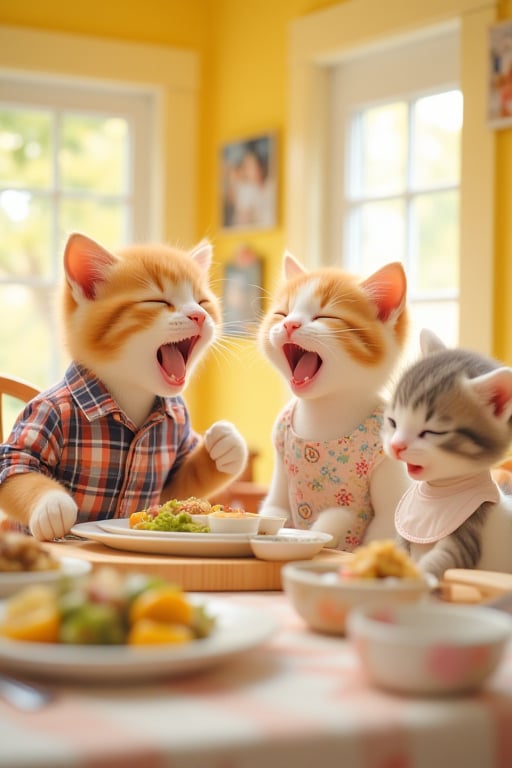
(135, 105)
(170, 75)
(320, 40)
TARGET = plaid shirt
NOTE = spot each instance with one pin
(76, 433)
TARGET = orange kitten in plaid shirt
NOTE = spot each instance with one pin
(114, 436)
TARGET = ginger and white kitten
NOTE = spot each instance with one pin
(137, 323)
(335, 339)
(449, 421)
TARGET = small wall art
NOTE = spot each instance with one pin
(248, 183)
(500, 75)
(242, 295)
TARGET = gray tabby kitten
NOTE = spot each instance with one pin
(450, 421)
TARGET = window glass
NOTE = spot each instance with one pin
(437, 125)
(26, 145)
(383, 163)
(94, 154)
(65, 165)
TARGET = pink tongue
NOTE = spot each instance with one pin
(306, 367)
(173, 362)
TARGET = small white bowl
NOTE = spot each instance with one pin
(289, 545)
(270, 525)
(246, 523)
(429, 648)
(323, 599)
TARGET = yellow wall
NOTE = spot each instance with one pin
(243, 46)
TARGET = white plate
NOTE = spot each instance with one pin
(70, 567)
(122, 525)
(290, 545)
(166, 542)
(117, 535)
(238, 629)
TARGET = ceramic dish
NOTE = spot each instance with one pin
(289, 545)
(324, 600)
(165, 542)
(270, 524)
(69, 567)
(429, 648)
(238, 629)
(245, 523)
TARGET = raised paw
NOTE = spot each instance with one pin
(53, 515)
(226, 447)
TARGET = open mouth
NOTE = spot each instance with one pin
(173, 359)
(303, 363)
(414, 469)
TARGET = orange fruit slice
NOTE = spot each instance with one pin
(164, 603)
(32, 615)
(150, 632)
(39, 625)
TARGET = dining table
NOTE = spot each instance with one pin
(297, 699)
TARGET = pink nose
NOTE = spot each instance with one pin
(397, 447)
(198, 317)
(291, 326)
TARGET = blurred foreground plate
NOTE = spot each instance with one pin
(238, 629)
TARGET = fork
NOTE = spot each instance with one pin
(27, 697)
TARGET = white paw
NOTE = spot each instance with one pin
(337, 521)
(52, 517)
(226, 447)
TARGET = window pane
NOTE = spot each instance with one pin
(437, 126)
(94, 154)
(435, 234)
(384, 150)
(25, 148)
(101, 220)
(26, 236)
(29, 314)
(442, 317)
(381, 232)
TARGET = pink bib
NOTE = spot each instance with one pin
(427, 513)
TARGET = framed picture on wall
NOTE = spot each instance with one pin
(248, 183)
(500, 75)
(242, 295)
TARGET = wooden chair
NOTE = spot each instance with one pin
(11, 386)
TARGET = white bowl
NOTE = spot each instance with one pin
(247, 522)
(289, 545)
(429, 648)
(323, 599)
(270, 525)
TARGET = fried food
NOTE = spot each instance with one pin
(21, 552)
(380, 560)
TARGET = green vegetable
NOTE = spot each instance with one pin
(166, 520)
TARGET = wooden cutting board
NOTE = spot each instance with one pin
(194, 574)
(460, 585)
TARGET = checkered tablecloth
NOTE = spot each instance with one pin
(298, 701)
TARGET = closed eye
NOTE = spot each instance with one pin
(163, 302)
(325, 317)
(391, 422)
(432, 432)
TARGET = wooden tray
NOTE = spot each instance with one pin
(195, 574)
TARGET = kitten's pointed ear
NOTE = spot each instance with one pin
(86, 264)
(387, 288)
(292, 267)
(430, 343)
(495, 389)
(203, 254)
